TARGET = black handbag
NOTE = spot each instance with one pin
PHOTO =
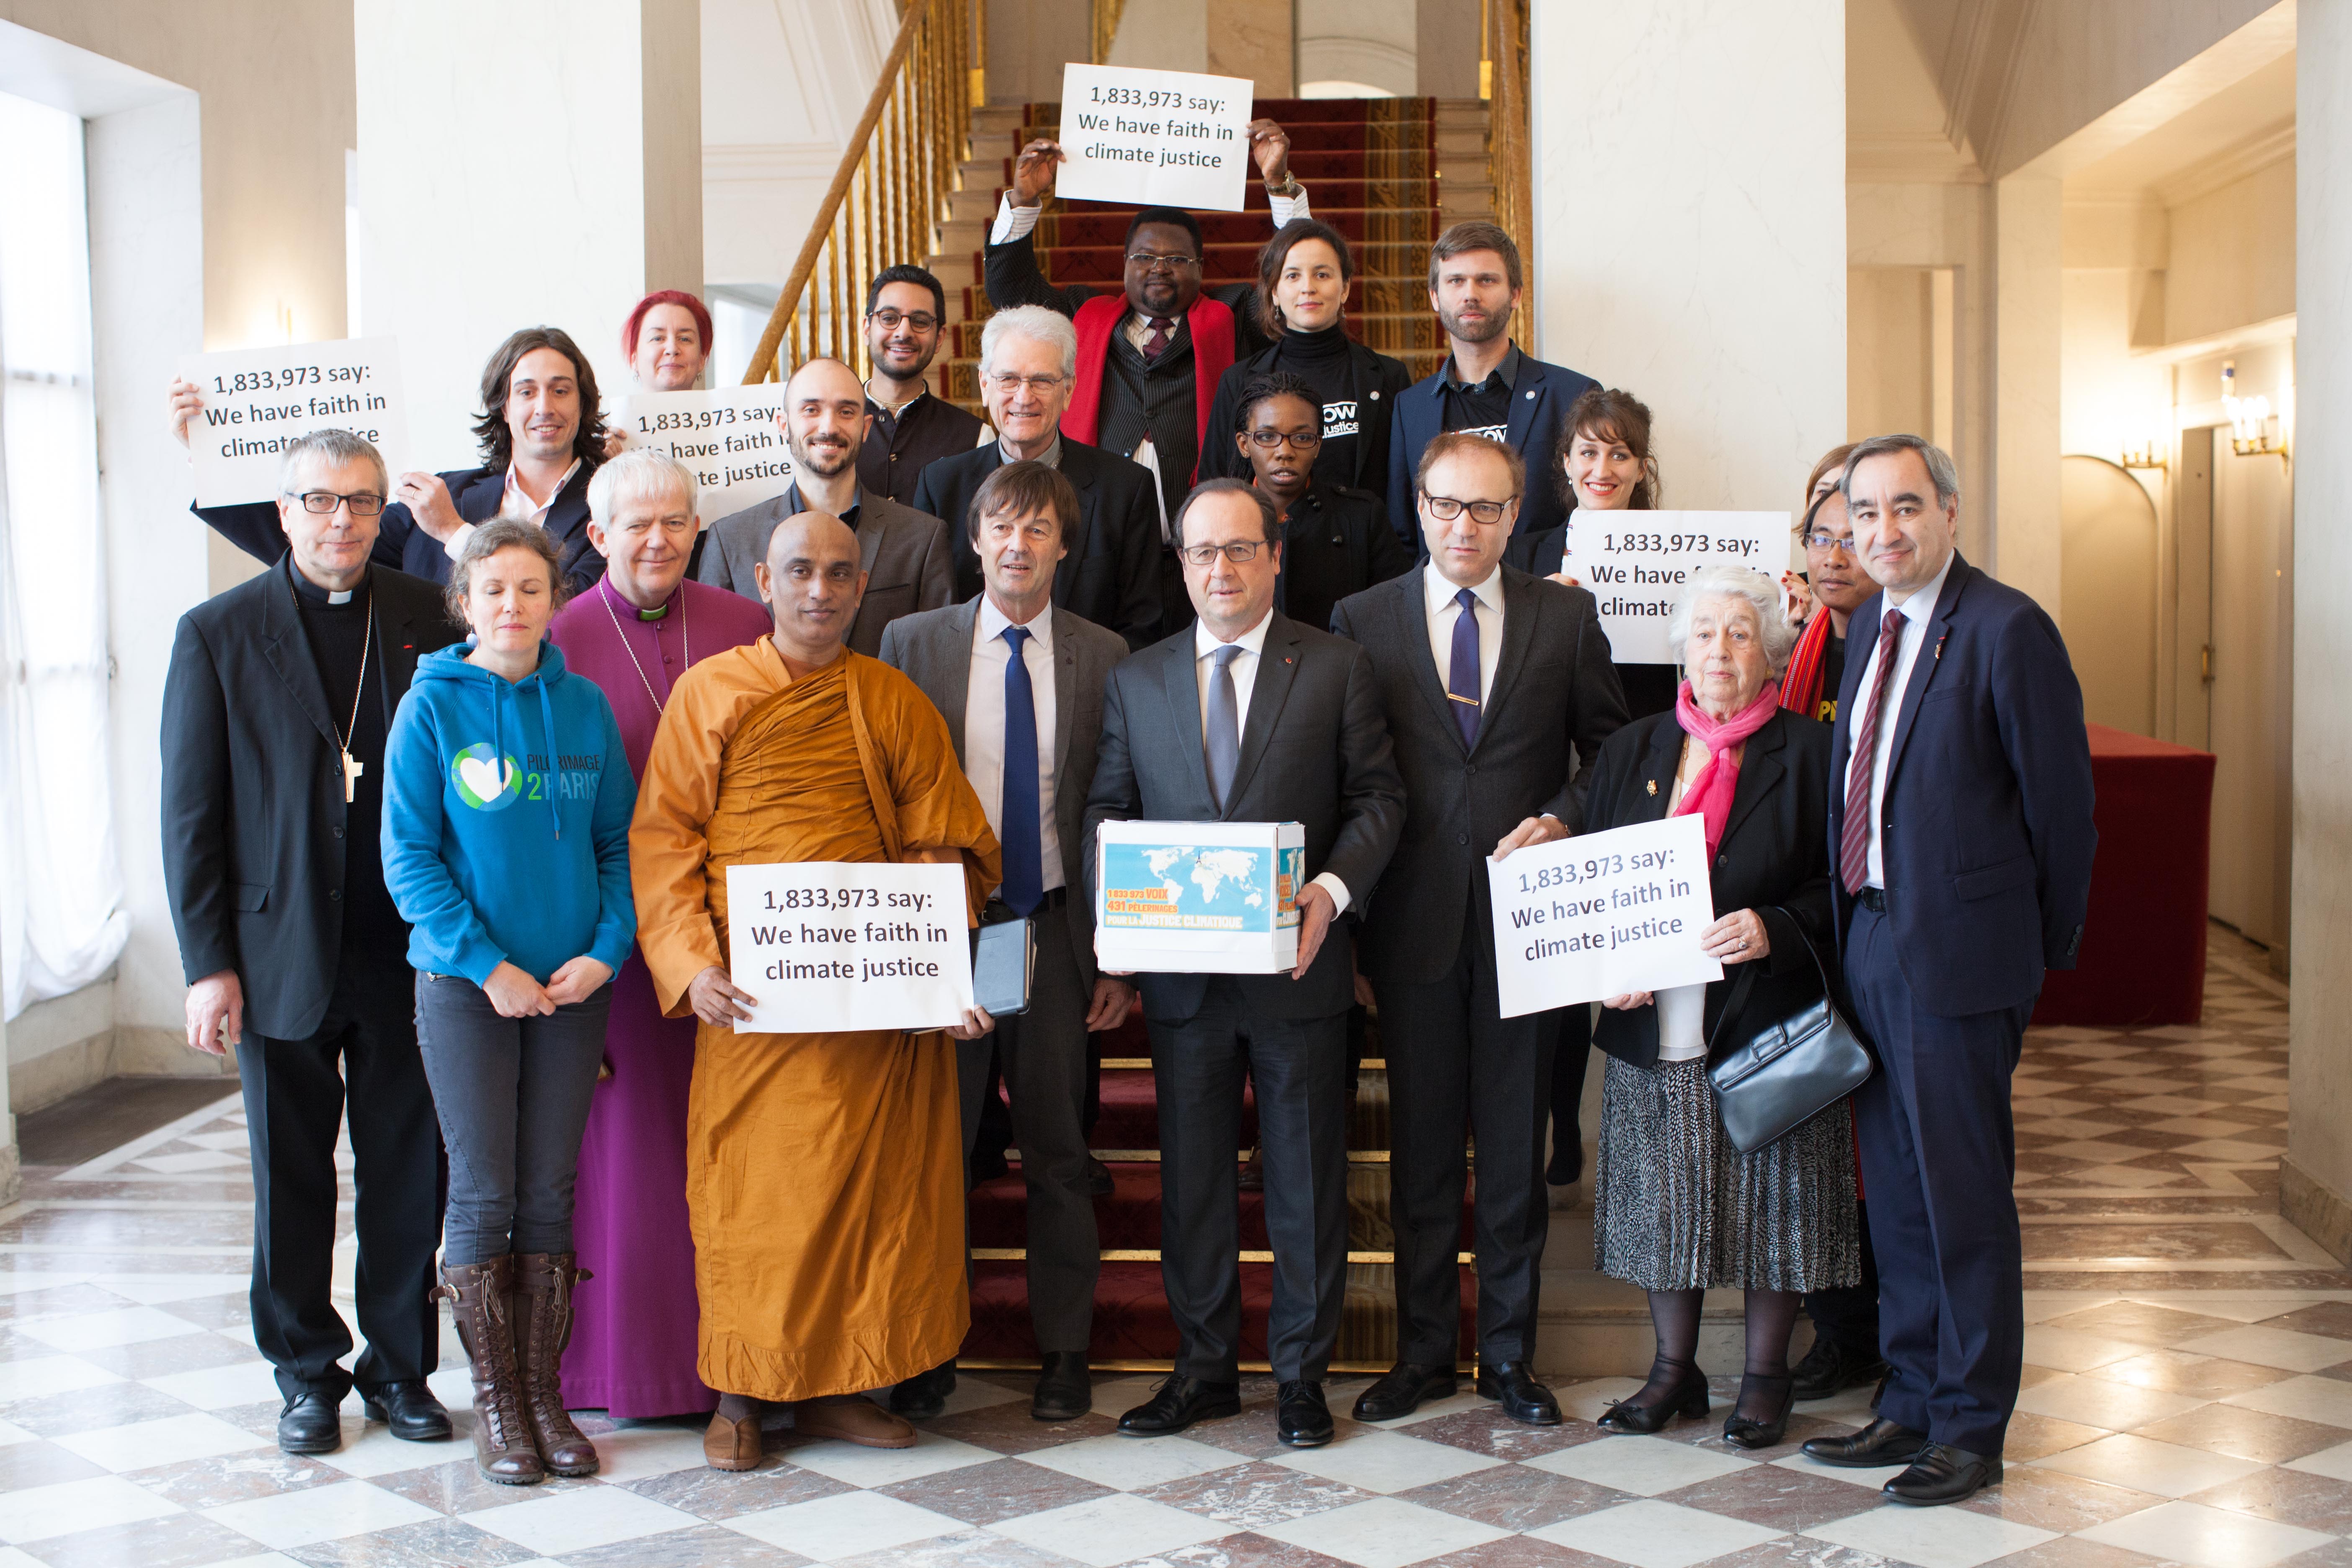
(1789, 1072)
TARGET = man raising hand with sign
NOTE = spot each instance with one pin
(807, 1151)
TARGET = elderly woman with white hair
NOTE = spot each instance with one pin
(1677, 1210)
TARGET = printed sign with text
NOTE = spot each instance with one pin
(258, 401)
(1169, 139)
(826, 946)
(1602, 914)
(1635, 563)
(726, 435)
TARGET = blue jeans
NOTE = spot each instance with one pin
(512, 1095)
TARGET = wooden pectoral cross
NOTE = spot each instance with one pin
(353, 769)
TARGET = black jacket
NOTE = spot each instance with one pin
(1335, 542)
(254, 834)
(1376, 380)
(1775, 851)
(891, 461)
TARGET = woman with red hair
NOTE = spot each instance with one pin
(667, 341)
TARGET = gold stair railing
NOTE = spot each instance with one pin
(1503, 82)
(890, 196)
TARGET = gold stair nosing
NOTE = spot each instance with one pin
(1151, 1255)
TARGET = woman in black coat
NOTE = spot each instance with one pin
(1335, 541)
(1676, 1209)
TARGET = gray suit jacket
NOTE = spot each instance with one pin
(933, 649)
(904, 553)
(1555, 700)
(1315, 751)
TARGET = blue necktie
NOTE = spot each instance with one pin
(1223, 739)
(1462, 677)
(1025, 863)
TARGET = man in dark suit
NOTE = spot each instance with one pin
(1110, 574)
(1249, 717)
(1498, 691)
(1486, 384)
(1961, 831)
(542, 435)
(906, 321)
(280, 693)
(903, 551)
(1025, 734)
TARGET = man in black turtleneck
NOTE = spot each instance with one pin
(280, 694)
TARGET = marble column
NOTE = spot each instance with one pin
(2028, 302)
(2315, 1178)
(520, 167)
(1690, 231)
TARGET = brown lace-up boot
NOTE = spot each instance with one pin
(543, 1327)
(503, 1445)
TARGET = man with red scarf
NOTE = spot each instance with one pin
(1150, 356)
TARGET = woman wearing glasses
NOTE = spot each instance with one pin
(1335, 541)
(1303, 277)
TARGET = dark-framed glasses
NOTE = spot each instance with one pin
(1239, 551)
(1153, 261)
(1298, 440)
(888, 318)
(1825, 543)
(1445, 509)
(364, 503)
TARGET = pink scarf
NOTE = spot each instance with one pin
(1710, 794)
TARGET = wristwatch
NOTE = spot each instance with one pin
(1289, 190)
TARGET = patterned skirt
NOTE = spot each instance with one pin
(1676, 1208)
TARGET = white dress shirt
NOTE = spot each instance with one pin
(1916, 611)
(983, 724)
(1244, 672)
(515, 502)
(1012, 221)
(1438, 596)
(1682, 1009)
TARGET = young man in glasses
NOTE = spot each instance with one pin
(905, 320)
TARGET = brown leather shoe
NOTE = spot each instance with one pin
(731, 1444)
(543, 1327)
(480, 1294)
(852, 1418)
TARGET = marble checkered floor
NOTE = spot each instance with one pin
(2190, 1402)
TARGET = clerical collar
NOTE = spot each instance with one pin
(316, 595)
(658, 613)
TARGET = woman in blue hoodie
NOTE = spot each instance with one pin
(506, 846)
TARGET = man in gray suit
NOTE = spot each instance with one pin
(1025, 726)
(1498, 691)
(1248, 716)
(905, 554)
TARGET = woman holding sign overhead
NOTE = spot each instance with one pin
(1676, 1209)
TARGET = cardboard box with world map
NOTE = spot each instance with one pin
(1198, 898)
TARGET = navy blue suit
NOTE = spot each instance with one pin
(1986, 843)
(253, 527)
(1540, 401)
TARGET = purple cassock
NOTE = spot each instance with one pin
(633, 1341)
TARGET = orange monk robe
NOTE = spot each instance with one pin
(825, 1175)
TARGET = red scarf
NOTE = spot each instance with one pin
(1710, 794)
(1212, 354)
(1800, 687)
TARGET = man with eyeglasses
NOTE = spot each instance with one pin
(1110, 573)
(1498, 691)
(1248, 716)
(280, 693)
(906, 321)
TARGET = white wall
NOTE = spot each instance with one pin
(2232, 258)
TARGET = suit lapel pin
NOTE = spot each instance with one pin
(1939, 644)
(1287, 660)
(1654, 786)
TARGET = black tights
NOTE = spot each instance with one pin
(1771, 1315)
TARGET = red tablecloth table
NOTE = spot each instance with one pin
(2143, 958)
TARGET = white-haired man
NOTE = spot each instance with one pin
(1111, 574)
(634, 634)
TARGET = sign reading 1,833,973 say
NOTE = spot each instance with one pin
(726, 436)
(258, 401)
(1635, 563)
(825, 945)
(1602, 914)
(1173, 139)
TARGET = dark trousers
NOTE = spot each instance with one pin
(1571, 1028)
(1938, 1157)
(513, 1097)
(1848, 1315)
(294, 1093)
(1043, 1056)
(1457, 1069)
(1299, 1070)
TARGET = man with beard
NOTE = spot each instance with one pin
(906, 320)
(904, 553)
(1485, 385)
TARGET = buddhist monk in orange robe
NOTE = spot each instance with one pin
(823, 1170)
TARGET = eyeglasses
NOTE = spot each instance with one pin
(1445, 509)
(889, 319)
(1039, 385)
(324, 502)
(1239, 551)
(1152, 261)
(1300, 440)
(1828, 541)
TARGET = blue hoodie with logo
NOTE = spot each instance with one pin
(506, 819)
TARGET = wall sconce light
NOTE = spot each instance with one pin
(2254, 429)
(2146, 454)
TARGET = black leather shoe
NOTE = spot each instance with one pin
(1747, 1431)
(1880, 1444)
(1178, 1403)
(925, 1395)
(1402, 1389)
(1065, 1389)
(1098, 1179)
(1523, 1398)
(410, 1410)
(1832, 1367)
(1301, 1418)
(1943, 1474)
(309, 1424)
(1682, 1392)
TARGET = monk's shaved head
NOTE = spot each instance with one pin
(810, 535)
(812, 582)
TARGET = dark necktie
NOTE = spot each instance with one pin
(1024, 864)
(1461, 672)
(1223, 741)
(1156, 341)
(1853, 835)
